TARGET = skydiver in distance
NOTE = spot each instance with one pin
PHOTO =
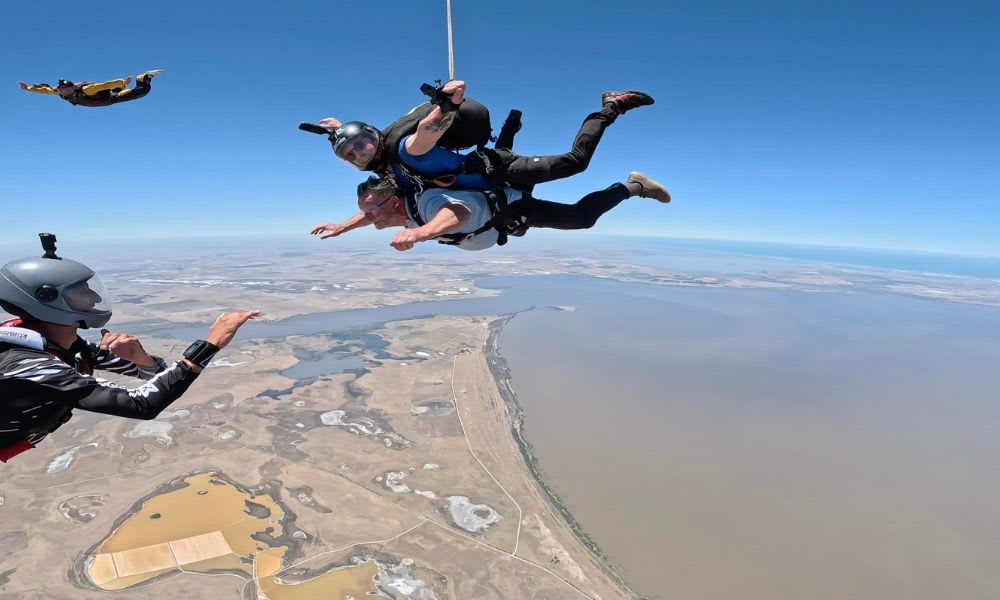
(85, 93)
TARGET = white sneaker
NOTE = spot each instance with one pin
(152, 73)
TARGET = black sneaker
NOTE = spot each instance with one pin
(513, 120)
(505, 141)
(625, 101)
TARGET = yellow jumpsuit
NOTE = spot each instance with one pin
(89, 89)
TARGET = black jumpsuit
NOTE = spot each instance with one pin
(39, 391)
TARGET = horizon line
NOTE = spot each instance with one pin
(290, 234)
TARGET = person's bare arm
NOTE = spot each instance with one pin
(432, 127)
(452, 217)
(329, 230)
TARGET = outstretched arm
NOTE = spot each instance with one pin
(452, 217)
(150, 399)
(329, 230)
(432, 127)
(38, 88)
(115, 84)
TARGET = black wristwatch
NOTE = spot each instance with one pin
(201, 353)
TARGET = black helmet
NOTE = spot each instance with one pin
(359, 144)
(62, 85)
(54, 290)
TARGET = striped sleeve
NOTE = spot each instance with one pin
(105, 360)
(58, 382)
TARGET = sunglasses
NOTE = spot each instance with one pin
(378, 205)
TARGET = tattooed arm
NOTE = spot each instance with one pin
(432, 127)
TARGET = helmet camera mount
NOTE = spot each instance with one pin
(49, 245)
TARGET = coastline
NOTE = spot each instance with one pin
(501, 375)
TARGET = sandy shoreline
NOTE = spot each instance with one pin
(534, 551)
(501, 374)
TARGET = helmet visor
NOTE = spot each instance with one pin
(88, 296)
(358, 149)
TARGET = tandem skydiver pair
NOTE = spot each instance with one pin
(472, 200)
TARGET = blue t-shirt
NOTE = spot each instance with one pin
(435, 162)
(434, 199)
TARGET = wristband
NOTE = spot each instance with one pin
(201, 353)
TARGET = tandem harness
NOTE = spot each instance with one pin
(490, 164)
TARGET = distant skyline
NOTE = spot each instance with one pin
(847, 124)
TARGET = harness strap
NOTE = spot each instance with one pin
(84, 365)
(453, 239)
(490, 164)
(449, 238)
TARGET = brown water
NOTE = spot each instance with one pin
(201, 527)
(205, 526)
(724, 444)
(346, 583)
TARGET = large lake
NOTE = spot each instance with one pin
(726, 443)
(736, 443)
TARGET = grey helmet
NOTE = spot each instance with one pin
(54, 290)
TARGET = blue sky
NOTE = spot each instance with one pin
(844, 123)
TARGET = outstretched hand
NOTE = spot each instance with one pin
(330, 124)
(405, 239)
(225, 327)
(22, 85)
(328, 230)
(127, 347)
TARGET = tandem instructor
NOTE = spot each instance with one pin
(46, 369)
